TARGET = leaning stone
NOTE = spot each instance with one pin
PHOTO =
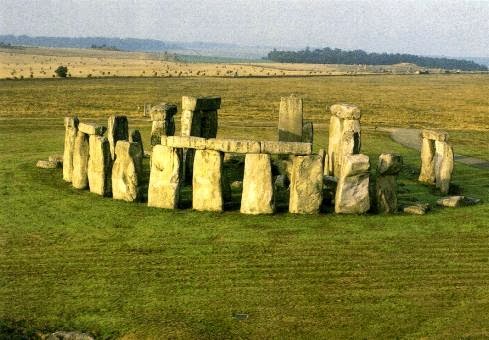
(135, 137)
(71, 128)
(352, 193)
(457, 201)
(306, 187)
(43, 164)
(443, 166)
(201, 103)
(187, 142)
(233, 145)
(258, 195)
(436, 135)
(389, 164)
(100, 166)
(80, 161)
(417, 209)
(118, 129)
(290, 119)
(427, 173)
(92, 129)
(127, 171)
(207, 184)
(308, 133)
(345, 111)
(165, 178)
(286, 148)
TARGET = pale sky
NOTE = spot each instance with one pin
(450, 28)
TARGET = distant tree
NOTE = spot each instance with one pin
(61, 71)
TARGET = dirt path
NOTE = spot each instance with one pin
(410, 138)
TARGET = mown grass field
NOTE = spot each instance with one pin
(74, 261)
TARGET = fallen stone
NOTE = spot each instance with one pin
(352, 193)
(165, 177)
(92, 129)
(117, 129)
(46, 164)
(100, 166)
(427, 173)
(56, 158)
(207, 183)
(306, 187)
(63, 335)
(345, 111)
(457, 201)
(436, 135)
(389, 164)
(187, 142)
(80, 161)
(417, 209)
(286, 148)
(127, 171)
(71, 129)
(233, 145)
(308, 133)
(290, 119)
(258, 195)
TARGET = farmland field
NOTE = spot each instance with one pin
(75, 261)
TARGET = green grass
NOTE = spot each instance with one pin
(72, 260)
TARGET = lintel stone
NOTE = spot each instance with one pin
(187, 142)
(286, 148)
(92, 129)
(437, 135)
(209, 103)
(233, 145)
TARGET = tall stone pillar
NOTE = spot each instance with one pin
(117, 129)
(81, 152)
(71, 129)
(165, 178)
(163, 119)
(127, 171)
(100, 166)
(258, 196)
(290, 119)
(207, 181)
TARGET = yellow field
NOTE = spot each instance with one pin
(83, 63)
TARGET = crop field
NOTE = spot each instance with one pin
(71, 260)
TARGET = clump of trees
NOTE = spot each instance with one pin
(61, 71)
(337, 56)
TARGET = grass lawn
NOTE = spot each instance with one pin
(72, 260)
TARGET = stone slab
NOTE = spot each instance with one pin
(290, 119)
(187, 142)
(306, 185)
(81, 153)
(258, 195)
(165, 178)
(92, 129)
(438, 135)
(209, 103)
(286, 148)
(233, 145)
(100, 166)
(47, 164)
(71, 129)
(207, 181)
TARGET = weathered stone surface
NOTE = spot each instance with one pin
(344, 140)
(187, 142)
(92, 129)
(63, 335)
(209, 122)
(135, 137)
(71, 129)
(100, 166)
(417, 209)
(306, 187)
(207, 183)
(201, 103)
(46, 164)
(443, 165)
(117, 129)
(233, 145)
(334, 139)
(290, 119)
(352, 193)
(427, 173)
(436, 135)
(163, 119)
(163, 112)
(165, 177)
(345, 111)
(258, 195)
(80, 161)
(457, 201)
(56, 158)
(386, 194)
(308, 132)
(389, 164)
(191, 123)
(127, 171)
(286, 148)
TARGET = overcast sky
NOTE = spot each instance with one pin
(451, 28)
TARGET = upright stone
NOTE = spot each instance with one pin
(100, 166)
(306, 187)
(258, 195)
(443, 166)
(127, 171)
(290, 119)
(135, 137)
(80, 161)
(207, 183)
(352, 192)
(163, 119)
(165, 177)
(427, 173)
(117, 129)
(71, 129)
(389, 167)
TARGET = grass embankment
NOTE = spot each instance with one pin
(73, 260)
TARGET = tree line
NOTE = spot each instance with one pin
(359, 57)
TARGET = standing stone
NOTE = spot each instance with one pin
(386, 186)
(80, 161)
(308, 132)
(352, 192)
(258, 195)
(163, 119)
(127, 171)
(306, 187)
(207, 183)
(117, 129)
(71, 129)
(135, 137)
(427, 173)
(100, 166)
(443, 166)
(334, 140)
(165, 178)
(290, 119)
